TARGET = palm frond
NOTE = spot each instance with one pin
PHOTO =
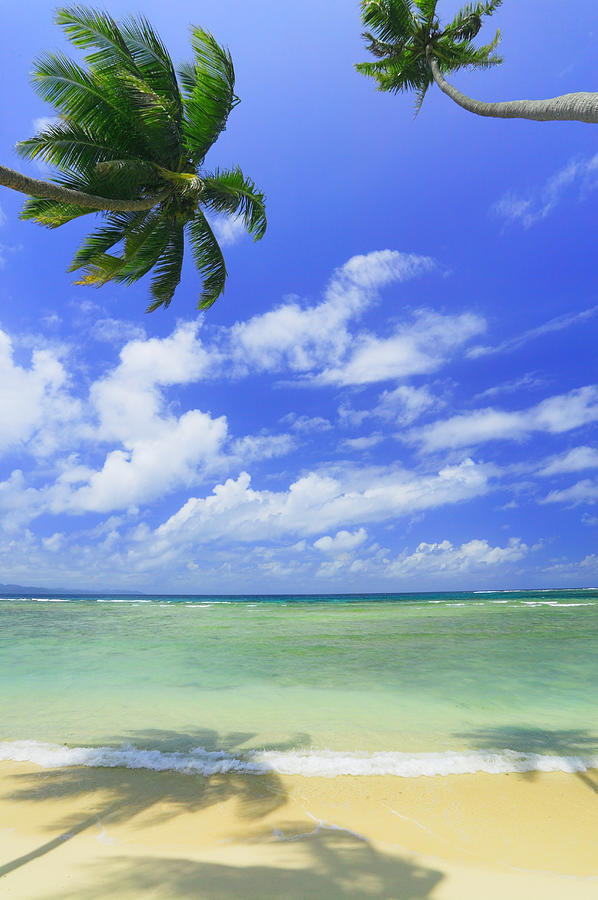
(168, 269)
(153, 61)
(427, 9)
(144, 242)
(401, 45)
(86, 27)
(208, 260)
(158, 118)
(50, 213)
(127, 131)
(230, 192)
(66, 145)
(390, 20)
(104, 238)
(99, 105)
(209, 97)
(468, 21)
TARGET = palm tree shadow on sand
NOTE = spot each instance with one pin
(576, 743)
(119, 794)
(339, 866)
(333, 863)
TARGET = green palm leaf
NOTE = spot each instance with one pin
(50, 213)
(209, 260)
(167, 271)
(403, 34)
(208, 94)
(128, 134)
(228, 191)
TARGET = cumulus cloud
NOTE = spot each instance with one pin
(316, 501)
(150, 466)
(440, 561)
(444, 557)
(554, 415)
(157, 451)
(542, 201)
(35, 403)
(342, 542)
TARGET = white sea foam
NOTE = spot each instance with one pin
(554, 603)
(323, 763)
(52, 599)
(121, 600)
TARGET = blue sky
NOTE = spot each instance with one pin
(397, 390)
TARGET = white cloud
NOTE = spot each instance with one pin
(304, 338)
(430, 563)
(585, 491)
(34, 401)
(514, 343)
(2, 217)
(403, 405)
(6, 249)
(316, 501)
(115, 331)
(228, 229)
(149, 466)
(538, 204)
(18, 503)
(400, 406)
(554, 415)
(43, 122)
(573, 461)
(443, 557)
(342, 542)
(363, 443)
(128, 401)
(55, 542)
(416, 348)
(530, 381)
(306, 423)
(157, 450)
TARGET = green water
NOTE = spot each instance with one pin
(417, 674)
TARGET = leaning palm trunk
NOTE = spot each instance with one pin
(578, 107)
(33, 187)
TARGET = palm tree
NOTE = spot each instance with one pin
(129, 143)
(413, 50)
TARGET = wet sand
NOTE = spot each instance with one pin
(90, 833)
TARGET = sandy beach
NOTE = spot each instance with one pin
(98, 833)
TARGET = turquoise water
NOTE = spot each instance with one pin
(303, 678)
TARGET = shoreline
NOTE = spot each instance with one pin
(88, 833)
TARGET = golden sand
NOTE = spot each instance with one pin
(115, 833)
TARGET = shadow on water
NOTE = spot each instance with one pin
(339, 866)
(119, 794)
(573, 742)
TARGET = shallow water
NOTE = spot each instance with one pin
(347, 683)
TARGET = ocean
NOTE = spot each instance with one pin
(396, 684)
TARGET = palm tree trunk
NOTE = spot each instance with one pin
(579, 107)
(36, 188)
